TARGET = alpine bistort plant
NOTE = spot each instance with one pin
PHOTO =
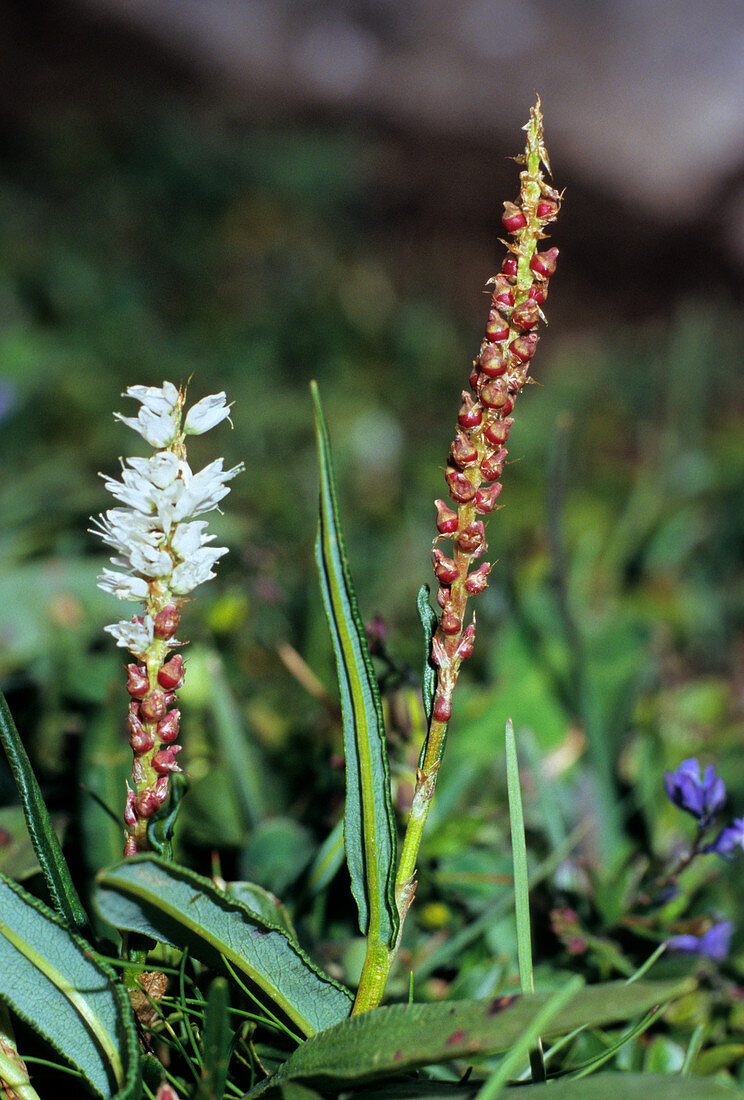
(162, 548)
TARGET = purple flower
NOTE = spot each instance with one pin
(702, 798)
(713, 944)
(728, 838)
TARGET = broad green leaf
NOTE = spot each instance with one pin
(216, 1043)
(43, 837)
(262, 902)
(429, 623)
(369, 826)
(398, 1038)
(50, 979)
(170, 903)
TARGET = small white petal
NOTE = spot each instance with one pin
(196, 570)
(158, 430)
(205, 490)
(162, 400)
(189, 537)
(132, 635)
(205, 414)
(122, 586)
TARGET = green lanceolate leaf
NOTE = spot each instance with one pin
(216, 1043)
(369, 826)
(170, 903)
(43, 837)
(429, 623)
(398, 1038)
(630, 1086)
(50, 979)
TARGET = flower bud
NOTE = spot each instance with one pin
(446, 519)
(491, 360)
(152, 706)
(170, 676)
(497, 431)
(137, 683)
(147, 804)
(166, 621)
(472, 539)
(461, 487)
(470, 414)
(524, 346)
(492, 467)
(164, 760)
(497, 328)
(543, 263)
(442, 710)
(526, 314)
(494, 393)
(477, 581)
(513, 219)
(445, 569)
(510, 265)
(485, 499)
(167, 728)
(464, 453)
(450, 623)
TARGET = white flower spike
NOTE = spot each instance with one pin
(161, 555)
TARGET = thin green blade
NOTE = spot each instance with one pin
(216, 1043)
(369, 826)
(49, 977)
(170, 903)
(43, 837)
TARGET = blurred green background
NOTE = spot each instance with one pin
(151, 231)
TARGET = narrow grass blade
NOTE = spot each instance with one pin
(50, 978)
(216, 1043)
(43, 837)
(429, 623)
(369, 822)
(328, 860)
(245, 764)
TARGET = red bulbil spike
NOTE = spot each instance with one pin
(492, 467)
(137, 683)
(442, 710)
(497, 328)
(491, 360)
(546, 210)
(526, 314)
(470, 414)
(446, 519)
(524, 347)
(450, 623)
(170, 676)
(477, 581)
(494, 395)
(152, 706)
(443, 596)
(167, 728)
(164, 760)
(485, 499)
(496, 432)
(461, 487)
(472, 539)
(147, 804)
(445, 569)
(538, 293)
(513, 219)
(543, 263)
(510, 266)
(166, 621)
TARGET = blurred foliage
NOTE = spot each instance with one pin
(179, 246)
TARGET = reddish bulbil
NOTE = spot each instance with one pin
(546, 210)
(494, 394)
(164, 760)
(147, 804)
(166, 621)
(513, 218)
(445, 569)
(478, 580)
(492, 467)
(450, 623)
(510, 266)
(446, 519)
(538, 293)
(137, 683)
(524, 346)
(472, 539)
(497, 328)
(485, 499)
(168, 726)
(152, 706)
(170, 676)
(461, 487)
(503, 291)
(544, 263)
(526, 314)
(491, 360)
(496, 432)
(466, 643)
(442, 710)
(470, 414)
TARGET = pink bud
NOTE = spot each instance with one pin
(492, 467)
(170, 676)
(444, 568)
(497, 328)
(152, 706)
(524, 346)
(485, 499)
(147, 804)
(137, 683)
(526, 315)
(491, 360)
(543, 263)
(497, 431)
(510, 265)
(167, 728)
(166, 621)
(446, 518)
(494, 394)
(472, 539)
(442, 710)
(513, 219)
(464, 453)
(478, 580)
(450, 623)
(470, 414)
(461, 488)
(164, 760)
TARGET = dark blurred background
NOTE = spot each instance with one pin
(254, 194)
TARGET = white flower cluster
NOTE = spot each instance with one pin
(156, 536)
